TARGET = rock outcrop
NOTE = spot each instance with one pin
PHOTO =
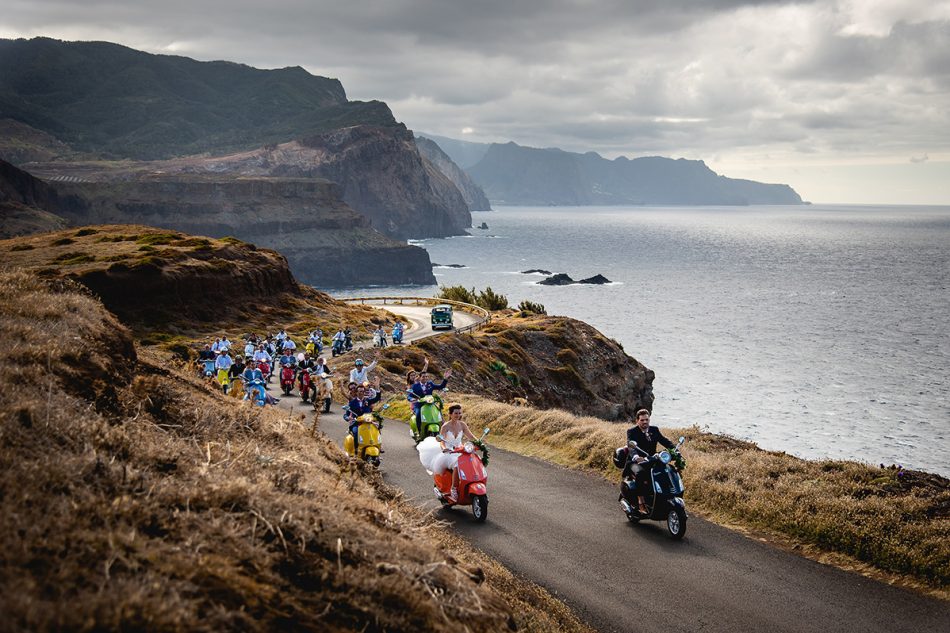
(553, 362)
(474, 196)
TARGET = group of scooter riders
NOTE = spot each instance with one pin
(651, 487)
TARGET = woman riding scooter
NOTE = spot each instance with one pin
(439, 456)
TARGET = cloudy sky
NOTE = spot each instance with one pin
(846, 100)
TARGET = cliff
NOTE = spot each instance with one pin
(551, 362)
(512, 174)
(474, 196)
(326, 243)
(27, 204)
(53, 96)
(379, 171)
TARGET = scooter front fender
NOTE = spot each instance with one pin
(371, 451)
(477, 489)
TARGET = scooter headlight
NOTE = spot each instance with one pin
(665, 457)
(469, 447)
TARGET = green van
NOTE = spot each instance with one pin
(442, 317)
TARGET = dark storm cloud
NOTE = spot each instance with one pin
(681, 77)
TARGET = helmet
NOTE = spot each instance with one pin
(620, 457)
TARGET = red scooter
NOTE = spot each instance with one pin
(287, 379)
(473, 478)
(308, 389)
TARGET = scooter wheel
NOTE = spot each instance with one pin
(480, 507)
(676, 523)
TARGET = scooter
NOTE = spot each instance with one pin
(337, 348)
(256, 392)
(473, 478)
(287, 379)
(265, 370)
(308, 390)
(224, 380)
(370, 438)
(664, 496)
(397, 336)
(208, 368)
(430, 415)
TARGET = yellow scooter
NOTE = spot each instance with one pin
(370, 438)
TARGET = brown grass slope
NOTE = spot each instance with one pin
(133, 498)
(552, 362)
(895, 523)
(178, 284)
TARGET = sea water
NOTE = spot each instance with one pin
(817, 330)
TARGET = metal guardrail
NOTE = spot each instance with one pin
(431, 301)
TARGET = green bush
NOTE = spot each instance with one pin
(490, 300)
(530, 307)
(456, 293)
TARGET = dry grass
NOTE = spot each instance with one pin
(133, 497)
(897, 524)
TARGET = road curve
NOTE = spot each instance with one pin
(564, 530)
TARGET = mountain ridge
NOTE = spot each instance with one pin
(510, 173)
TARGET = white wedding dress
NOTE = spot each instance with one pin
(433, 459)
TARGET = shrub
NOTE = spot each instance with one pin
(69, 259)
(530, 307)
(157, 238)
(22, 247)
(567, 356)
(510, 376)
(85, 232)
(490, 300)
(456, 293)
(63, 241)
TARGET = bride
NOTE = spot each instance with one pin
(437, 455)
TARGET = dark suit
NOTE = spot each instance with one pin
(645, 443)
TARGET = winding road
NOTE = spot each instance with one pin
(564, 530)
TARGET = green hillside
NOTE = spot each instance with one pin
(121, 103)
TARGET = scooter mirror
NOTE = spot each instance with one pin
(632, 444)
(682, 439)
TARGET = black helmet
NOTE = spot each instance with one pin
(620, 457)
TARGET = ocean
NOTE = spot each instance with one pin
(816, 330)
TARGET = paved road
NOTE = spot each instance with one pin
(564, 530)
(421, 320)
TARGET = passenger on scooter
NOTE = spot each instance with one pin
(237, 368)
(249, 348)
(453, 434)
(646, 437)
(359, 373)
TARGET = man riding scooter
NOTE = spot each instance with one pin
(646, 437)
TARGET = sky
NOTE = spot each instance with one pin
(848, 101)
